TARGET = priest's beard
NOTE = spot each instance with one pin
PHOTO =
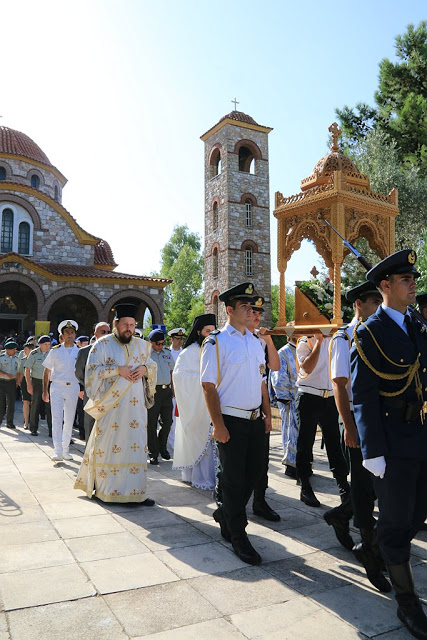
(123, 336)
(200, 339)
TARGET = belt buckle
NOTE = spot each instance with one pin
(254, 414)
(165, 386)
(325, 394)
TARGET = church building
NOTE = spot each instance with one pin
(237, 210)
(50, 267)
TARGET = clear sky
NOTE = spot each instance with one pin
(117, 94)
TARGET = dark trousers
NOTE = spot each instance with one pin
(241, 466)
(88, 421)
(402, 502)
(36, 405)
(312, 411)
(80, 416)
(262, 482)
(162, 407)
(361, 491)
(7, 400)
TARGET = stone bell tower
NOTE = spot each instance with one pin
(237, 210)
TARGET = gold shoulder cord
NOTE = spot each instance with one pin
(411, 369)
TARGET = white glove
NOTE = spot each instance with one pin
(376, 466)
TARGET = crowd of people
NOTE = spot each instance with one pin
(206, 403)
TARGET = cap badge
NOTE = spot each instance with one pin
(412, 257)
(258, 302)
(249, 289)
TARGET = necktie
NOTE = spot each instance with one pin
(411, 330)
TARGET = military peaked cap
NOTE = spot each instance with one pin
(400, 262)
(243, 292)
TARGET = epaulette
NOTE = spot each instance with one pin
(211, 337)
(341, 333)
(56, 346)
(34, 350)
(255, 336)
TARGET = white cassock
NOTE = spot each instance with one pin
(115, 460)
(195, 450)
(171, 437)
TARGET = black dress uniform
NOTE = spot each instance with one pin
(389, 383)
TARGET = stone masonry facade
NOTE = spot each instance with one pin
(230, 191)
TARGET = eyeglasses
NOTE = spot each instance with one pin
(159, 344)
(104, 331)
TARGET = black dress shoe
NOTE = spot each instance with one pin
(341, 528)
(218, 516)
(10, 426)
(291, 472)
(307, 496)
(415, 620)
(148, 502)
(153, 460)
(165, 455)
(263, 510)
(245, 551)
(35, 433)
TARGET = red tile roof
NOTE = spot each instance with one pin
(104, 254)
(240, 117)
(19, 144)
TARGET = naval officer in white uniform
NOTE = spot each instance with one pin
(59, 368)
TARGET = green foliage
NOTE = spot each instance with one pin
(279, 341)
(183, 262)
(422, 267)
(401, 102)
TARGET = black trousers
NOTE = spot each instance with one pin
(7, 400)
(241, 466)
(88, 421)
(361, 491)
(262, 482)
(312, 411)
(162, 407)
(36, 405)
(402, 502)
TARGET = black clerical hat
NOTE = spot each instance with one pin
(125, 310)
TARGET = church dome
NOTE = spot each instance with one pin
(17, 143)
(239, 116)
(335, 161)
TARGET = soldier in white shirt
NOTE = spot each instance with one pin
(232, 374)
(315, 405)
(59, 368)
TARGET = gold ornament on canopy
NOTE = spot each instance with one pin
(337, 192)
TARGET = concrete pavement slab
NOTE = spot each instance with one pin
(159, 608)
(27, 532)
(111, 545)
(189, 562)
(243, 589)
(16, 514)
(368, 610)
(72, 509)
(219, 629)
(265, 621)
(34, 555)
(44, 586)
(88, 525)
(128, 572)
(80, 620)
(181, 535)
(145, 518)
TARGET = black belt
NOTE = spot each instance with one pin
(4, 380)
(162, 386)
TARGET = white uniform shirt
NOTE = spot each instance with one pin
(241, 364)
(340, 356)
(61, 362)
(175, 353)
(319, 377)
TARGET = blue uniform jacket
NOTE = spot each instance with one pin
(382, 429)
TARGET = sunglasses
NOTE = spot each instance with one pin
(104, 331)
(159, 344)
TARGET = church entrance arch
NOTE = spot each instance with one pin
(18, 307)
(73, 307)
(147, 308)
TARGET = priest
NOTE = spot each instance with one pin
(195, 450)
(119, 377)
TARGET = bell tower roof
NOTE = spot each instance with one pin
(236, 118)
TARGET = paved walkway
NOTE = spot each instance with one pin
(71, 568)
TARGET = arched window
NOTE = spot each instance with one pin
(215, 215)
(7, 230)
(35, 181)
(248, 213)
(248, 262)
(24, 238)
(215, 263)
(56, 192)
(2, 173)
(215, 163)
(215, 306)
(246, 160)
